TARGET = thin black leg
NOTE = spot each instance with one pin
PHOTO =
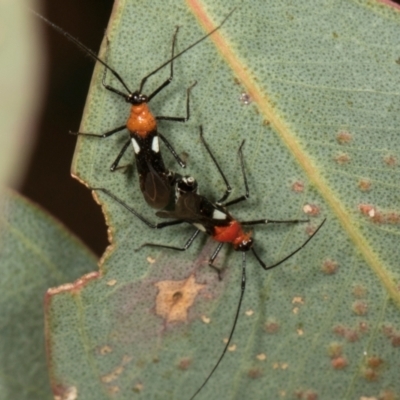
(114, 165)
(171, 75)
(163, 246)
(274, 221)
(134, 212)
(289, 255)
(212, 259)
(181, 119)
(172, 150)
(228, 189)
(247, 194)
(100, 135)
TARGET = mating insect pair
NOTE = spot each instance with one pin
(173, 195)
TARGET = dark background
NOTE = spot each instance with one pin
(48, 181)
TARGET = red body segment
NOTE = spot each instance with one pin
(228, 233)
(141, 121)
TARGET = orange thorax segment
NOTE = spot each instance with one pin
(141, 121)
(228, 233)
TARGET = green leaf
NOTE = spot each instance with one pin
(321, 137)
(36, 253)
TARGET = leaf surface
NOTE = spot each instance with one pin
(36, 253)
(321, 135)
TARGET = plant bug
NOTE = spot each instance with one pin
(141, 123)
(214, 219)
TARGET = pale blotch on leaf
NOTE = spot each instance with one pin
(105, 350)
(232, 347)
(261, 357)
(311, 209)
(111, 282)
(151, 260)
(66, 393)
(300, 331)
(297, 300)
(205, 319)
(117, 371)
(249, 313)
(295, 310)
(174, 298)
(113, 389)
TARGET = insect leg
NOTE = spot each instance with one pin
(228, 189)
(100, 135)
(172, 150)
(185, 247)
(114, 165)
(138, 215)
(171, 75)
(289, 255)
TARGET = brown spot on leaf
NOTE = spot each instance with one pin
(364, 185)
(298, 187)
(359, 291)
(342, 158)
(174, 298)
(360, 307)
(184, 364)
(329, 267)
(311, 209)
(390, 160)
(254, 373)
(343, 137)
(65, 393)
(339, 362)
(271, 326)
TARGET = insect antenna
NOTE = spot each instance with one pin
(242, 289)
(85, 49)
(142, 83)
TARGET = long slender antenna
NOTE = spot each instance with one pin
(85, 49)
(242, 289)
(185, 50)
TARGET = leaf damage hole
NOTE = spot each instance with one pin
(174, 298)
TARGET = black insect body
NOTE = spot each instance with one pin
(214, 219)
